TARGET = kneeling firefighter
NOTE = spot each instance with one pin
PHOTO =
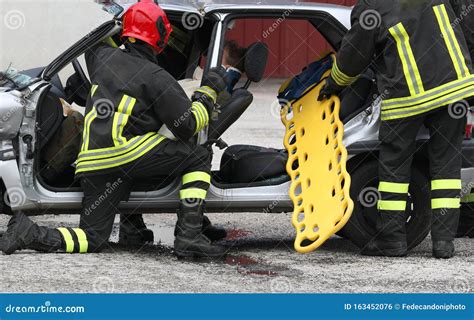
(131, 99)
(423, 68)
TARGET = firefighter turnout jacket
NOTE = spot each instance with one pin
(464, 10)
(130, 100)
(403, 38)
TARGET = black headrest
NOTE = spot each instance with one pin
(256, 61)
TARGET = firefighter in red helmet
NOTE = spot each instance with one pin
(131, 99)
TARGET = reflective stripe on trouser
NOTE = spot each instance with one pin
(195, 186)
(392, 206)
(398, 146)
(161, 165)
(75, 240)
(445, 204)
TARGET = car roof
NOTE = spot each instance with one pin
(341, 13)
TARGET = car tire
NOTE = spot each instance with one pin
(361, 226)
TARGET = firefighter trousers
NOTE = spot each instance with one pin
(104, 192)
(398, 147)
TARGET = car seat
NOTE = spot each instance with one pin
(256, 58)
(246, 164)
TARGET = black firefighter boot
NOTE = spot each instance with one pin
(133, 231)
(190, 240)
(444, 225)
(22, 233)
(391, 239)
(212, 232)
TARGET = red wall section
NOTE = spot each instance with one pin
(292, 45)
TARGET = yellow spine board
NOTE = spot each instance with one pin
(316, 164)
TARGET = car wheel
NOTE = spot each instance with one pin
(361, 227)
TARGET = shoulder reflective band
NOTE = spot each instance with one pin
(124, 111)
(201, 115)
(445, 203)
(111, 42)
(88, 120)
(393, 187)
(468, 198)
(67, 239)
(193, 193)
(209, 92)
(392, 205)
(82, 239)
(446, 184)
(451, 41)
(87, 124)
(410, 68)
(340, 77)
(94, 89)
(196, 176)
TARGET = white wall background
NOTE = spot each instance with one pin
(34, 32)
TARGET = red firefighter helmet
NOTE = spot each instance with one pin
(146, 21)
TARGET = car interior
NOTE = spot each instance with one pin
(241, 165)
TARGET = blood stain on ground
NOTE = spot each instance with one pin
(235, 234)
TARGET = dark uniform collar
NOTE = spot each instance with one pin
(143, 51)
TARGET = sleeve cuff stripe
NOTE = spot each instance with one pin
(203, 111)
(341, 78)
(198, 121)
(209, 92)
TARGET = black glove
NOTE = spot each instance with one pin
(214, 79)
(329, 89)
(212, 107)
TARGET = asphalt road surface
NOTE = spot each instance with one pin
(260, 253)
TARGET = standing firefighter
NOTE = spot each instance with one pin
(424, 69)
(131, 99)
(465, 15)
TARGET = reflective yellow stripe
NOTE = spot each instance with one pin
(445, 203)
(193, 193)
(67, 239)
(121, 118)
(446, 184)
(82, 239)
(201, 115)
(410, 68)
(198, 121)
(443, 101)
(111, 42)
(97, 154)
(451, 41)
(393, 187)
(392, 205)
(468, 198)
(94, 89)
(87, 125)
(209, 92)
(340, 77)
(130, 155)
(196, 176)
(87, 121)
(429, 95)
